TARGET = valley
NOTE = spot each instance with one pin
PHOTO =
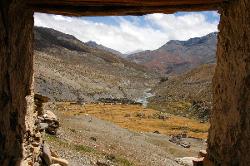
(122, 110)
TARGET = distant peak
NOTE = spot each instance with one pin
(91, 43)
(191, 41)
(174, 42)
(212, 34)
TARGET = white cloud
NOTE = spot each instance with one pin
(128, 35)
(183, 27)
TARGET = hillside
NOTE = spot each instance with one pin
(188, 94)
(68, 69)
(176, 57)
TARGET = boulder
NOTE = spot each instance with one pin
(187, 161)
(202, 153)
(43, 126)
(184, 144)
(52, 121)
(177, 139)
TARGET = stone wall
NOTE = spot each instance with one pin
(16, 70)
(229, 135)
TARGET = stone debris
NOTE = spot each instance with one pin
(178, 139)
(186, 161)
(190, 161)
(49, 122)
(46, 121)
(193, 161)
(184, 144)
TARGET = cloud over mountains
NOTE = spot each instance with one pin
(127, 34)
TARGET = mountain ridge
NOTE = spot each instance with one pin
(93, 44)
(176, 56)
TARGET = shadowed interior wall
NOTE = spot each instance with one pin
(229, 135)
(16, 69)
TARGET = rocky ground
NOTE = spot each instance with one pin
(83, 139)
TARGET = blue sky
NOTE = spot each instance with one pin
(130, 33)
(141, 20)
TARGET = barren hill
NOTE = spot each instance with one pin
(176, 57)
(68, 69)
(188, 94)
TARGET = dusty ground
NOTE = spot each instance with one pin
(84, 139)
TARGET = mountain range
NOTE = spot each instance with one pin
(177, 57)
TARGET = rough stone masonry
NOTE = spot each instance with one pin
(229, 135)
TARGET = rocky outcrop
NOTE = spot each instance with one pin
(229, 135)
